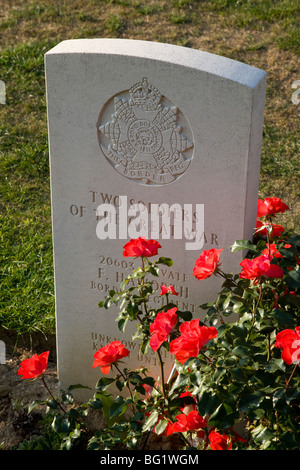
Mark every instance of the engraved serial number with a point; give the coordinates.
(108, 261)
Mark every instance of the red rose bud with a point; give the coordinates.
(167, 290)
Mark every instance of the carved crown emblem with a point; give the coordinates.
(144, 139)
(144, 95)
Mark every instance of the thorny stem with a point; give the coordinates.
(218, 271)
(209, 360)
(143, 282)
(269, 346)
(165, 395)
(127, 385)
(162, 373)
(49, 391)
(288, 382)
(259, 297)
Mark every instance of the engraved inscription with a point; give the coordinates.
(144, 136)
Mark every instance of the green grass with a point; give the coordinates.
(27, 292)
(261, 33)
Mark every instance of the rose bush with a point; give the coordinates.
(235, 380)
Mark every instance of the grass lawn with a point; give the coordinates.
(262, 33)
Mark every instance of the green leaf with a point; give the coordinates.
(262, 435)
(161, 426)
(148, 381)
(75, 387)
(207, 403)
(227, 301)
(34, 404)
(118, 407)
(151, 421)
(293, 279)
(275, 365)
(96, 403)
(107, 302)
(122, 322)
(294, 240)
(237, 307)
(145, 345)
(240, 352)
(243, 245)
(250, 401)
(107, 401)
(283, 318)
(67, 398)
(165, 261)
(223, 417)
(124, 282)
(154, 270)
(219, 373)
(180, 382)
(104, 383)
(138, 273)
(61, 425)
(186, 316)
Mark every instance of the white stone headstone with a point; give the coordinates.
(149, 123)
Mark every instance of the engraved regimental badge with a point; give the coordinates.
(144, 136)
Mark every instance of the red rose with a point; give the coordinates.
(219, 441)
(272, 250)
(190, 422)
(167, 290)
(207, 263)
(289, 342)
(192, 338)
(141, 247)
(262, 229)
(109, 354)
(162, 326)
(35, 366)
(261, 266)
(270, 206)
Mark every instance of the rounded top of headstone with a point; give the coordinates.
(205, 61)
